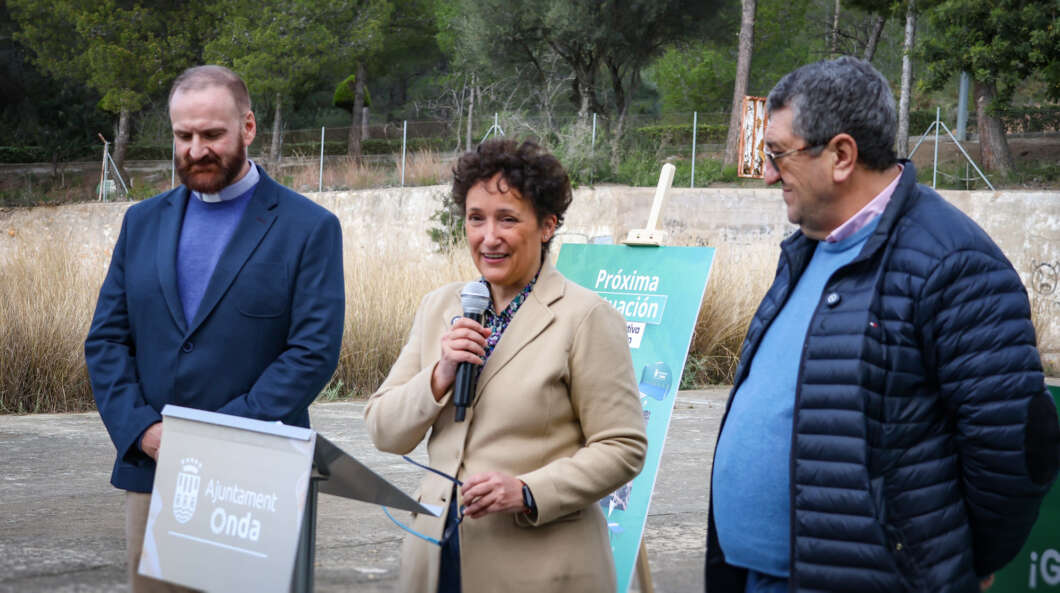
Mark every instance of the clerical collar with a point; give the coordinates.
(232, 191)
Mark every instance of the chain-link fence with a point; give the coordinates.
(395, 153)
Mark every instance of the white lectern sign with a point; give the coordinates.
(226, 510)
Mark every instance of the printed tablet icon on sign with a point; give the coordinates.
(655, 381)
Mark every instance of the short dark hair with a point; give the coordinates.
(200, 77)
(844, 95)
(525, 167)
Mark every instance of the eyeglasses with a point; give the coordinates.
(773, 158)
(449, 530)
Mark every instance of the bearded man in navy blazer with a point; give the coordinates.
(225, 294)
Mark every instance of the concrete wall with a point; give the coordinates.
(1025, 224)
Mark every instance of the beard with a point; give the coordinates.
(211, 173)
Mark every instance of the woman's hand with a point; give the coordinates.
(464, 342)
(492, 492)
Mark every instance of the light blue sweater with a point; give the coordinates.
(751, 479)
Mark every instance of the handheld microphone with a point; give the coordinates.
(474, 298)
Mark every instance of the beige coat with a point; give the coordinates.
(557, 406)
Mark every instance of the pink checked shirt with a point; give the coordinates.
(865, 215)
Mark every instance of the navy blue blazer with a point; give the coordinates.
(262, 345)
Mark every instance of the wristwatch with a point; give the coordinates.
(528, 503)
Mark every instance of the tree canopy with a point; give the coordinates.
(604, 45)
(1003, 42)
(281, 47)
(71, 64)
(124, 51)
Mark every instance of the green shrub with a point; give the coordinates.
(344, 97)
(1036, 173)
(386, 146)
(919, 120)
(638, 168)
(680, 134)
(1023, 119)
(141, 190)
(149, 152)
(449, 232)
(1017, 119)
(368, 146)
(642, 169)
(24, 154)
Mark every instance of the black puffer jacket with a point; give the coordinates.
(924, 438)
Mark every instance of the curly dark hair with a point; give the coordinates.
(525, 167)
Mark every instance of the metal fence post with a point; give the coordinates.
(935, 171)
(320, 184)
(592, 153)
(103, 176)
(695, 127)
(404, 140)
(117, 175)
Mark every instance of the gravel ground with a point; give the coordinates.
(63, 524)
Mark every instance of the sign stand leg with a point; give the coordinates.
(302, 578)
(650, 236)
(644, 570)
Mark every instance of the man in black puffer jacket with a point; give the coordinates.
(889, 427)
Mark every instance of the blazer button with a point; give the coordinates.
(187, 347)
(832, 299)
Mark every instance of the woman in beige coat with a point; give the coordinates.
(555, 423)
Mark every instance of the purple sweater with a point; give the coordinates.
(207, 228)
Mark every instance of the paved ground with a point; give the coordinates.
(61, 523)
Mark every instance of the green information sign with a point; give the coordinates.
(659, 291)
(1037, 567)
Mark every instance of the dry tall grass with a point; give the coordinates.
(48, 292)
(383, 291)
(739, 278)
(343, 173)
(47, 296)
(421, 168)
(427, 168)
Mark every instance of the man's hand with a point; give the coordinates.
(152, 440)
(986, 583)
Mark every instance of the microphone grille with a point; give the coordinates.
(475, 297)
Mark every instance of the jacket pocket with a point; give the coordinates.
(522, 521)
(261, 290)
(568, 517)
(907, 569)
